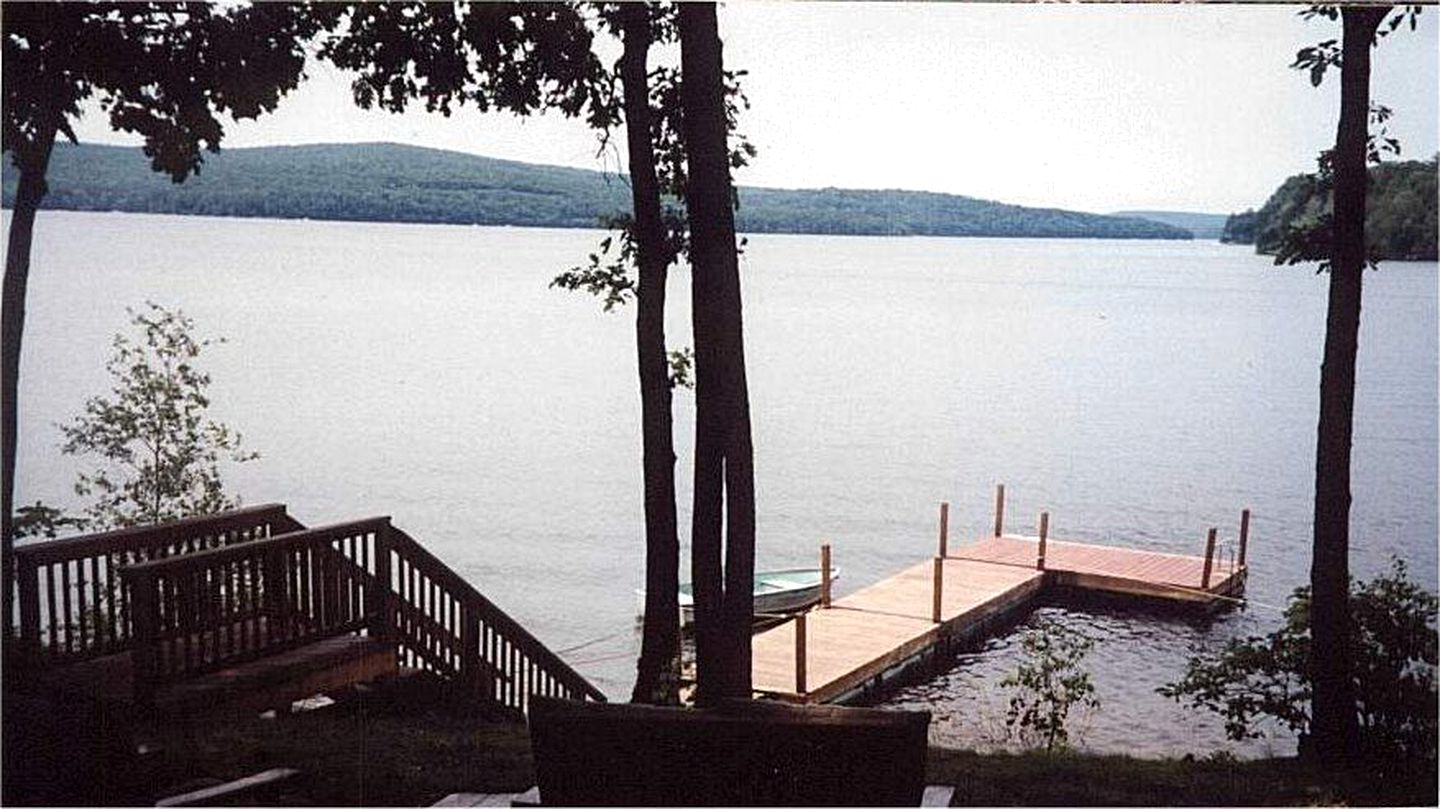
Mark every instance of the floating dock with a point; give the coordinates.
(848, 647)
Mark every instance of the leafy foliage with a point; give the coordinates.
(517, 57)
(1394, 642)
(1296, 224)
(159, 452)
(395, 183)
(1400, 216)
(1048, 684)
(41, 520)
(165, 71)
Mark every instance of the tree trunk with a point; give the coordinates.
(724, 475)
(1333, 722)
(657, 678)
(34, 162)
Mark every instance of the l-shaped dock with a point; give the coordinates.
(845, 648)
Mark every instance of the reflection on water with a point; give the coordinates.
(1135, 653)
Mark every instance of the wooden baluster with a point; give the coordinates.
(237, 568)
(69, 623)
(272, 592)
(1209, 554)
(938, 591)
(999, 509)
(944, 529)
(98, 601)
(1044, 534)
(825, 576)
(82, 632)
(800, 639)
(52, 616)
(1244, 534)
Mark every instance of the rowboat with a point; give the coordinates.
(775, 592)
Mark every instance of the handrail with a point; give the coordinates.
(278, 542)
(145, 536)
(408, 549)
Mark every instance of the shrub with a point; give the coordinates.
(1393, 639)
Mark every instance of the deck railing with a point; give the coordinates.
(195, 612)
(72, 601)
(445, 625)
(199, 594)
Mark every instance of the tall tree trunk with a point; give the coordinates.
(1333, 723)
(724, 477)
(34, 162)
(657, 678)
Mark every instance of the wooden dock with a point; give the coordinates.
(850, 646)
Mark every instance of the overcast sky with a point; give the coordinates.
(1090, 107)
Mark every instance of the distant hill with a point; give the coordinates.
(384, 182)
(1400, 212)
(1203, 225)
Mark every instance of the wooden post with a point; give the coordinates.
(1244, 534)
(999, 509)
(800, 653)
(939, 590)
(825, 576)
(1209, 553)
(1044, 534)
(144, 619)
(944, 529)
(27, 581)
(382, 609)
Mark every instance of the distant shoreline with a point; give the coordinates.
(44, 209)
(408, 184)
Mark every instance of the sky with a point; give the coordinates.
(1088, 107)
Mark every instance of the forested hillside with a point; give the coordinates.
(1400, 214)
(396, 183)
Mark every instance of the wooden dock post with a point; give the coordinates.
(800, 653)
(1209, 560)
(1244, 534)
(1044, 533)
(939, 590)
(944, 529)
(825, 576)
(999, 509)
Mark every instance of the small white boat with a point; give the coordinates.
(776, 592)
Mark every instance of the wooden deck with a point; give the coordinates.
(861, 638)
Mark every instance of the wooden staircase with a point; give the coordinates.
(250, 608)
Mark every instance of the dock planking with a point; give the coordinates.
(857, 640)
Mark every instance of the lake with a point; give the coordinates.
(1140, 391)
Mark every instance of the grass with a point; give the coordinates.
(1067, 779)
(411, 745)
(408, 744)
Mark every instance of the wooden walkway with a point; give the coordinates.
(858, 641)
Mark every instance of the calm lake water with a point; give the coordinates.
(1139, 391)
